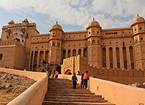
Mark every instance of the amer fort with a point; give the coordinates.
(114, 58)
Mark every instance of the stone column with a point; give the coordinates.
(44, 55)
(38, 59)
(33, 60)
(71, 53)
(114, 58)
(82, 52)
(77, 50)
(107, 58)
(128, 58)
(30, 60)
(121, 57)
(66, 54)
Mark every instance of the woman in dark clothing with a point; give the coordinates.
(82, 80)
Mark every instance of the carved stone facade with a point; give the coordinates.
(112, 48)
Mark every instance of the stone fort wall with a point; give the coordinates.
(12, 54)
(124, 76)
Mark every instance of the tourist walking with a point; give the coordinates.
(52, 72)
(85, 79)
(56, 74)
(74, 80)
(82, 80)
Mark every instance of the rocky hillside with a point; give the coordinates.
(12, 86)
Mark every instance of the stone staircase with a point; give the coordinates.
(60, 92)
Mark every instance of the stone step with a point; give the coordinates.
(76, 100)
(74, 103)
(61, 92)
(80, 95)
(73, 96)
(65, 93)
(68, 91)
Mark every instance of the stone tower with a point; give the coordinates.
(138, 26)
(94, 44)
(55, 55)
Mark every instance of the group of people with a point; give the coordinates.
(53, 73)
(84, 79)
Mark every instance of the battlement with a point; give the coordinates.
(125, 76)
(19, 25)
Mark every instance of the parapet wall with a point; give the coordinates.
(34, 95)
(12, 42)
(124, 76)
(116, 93)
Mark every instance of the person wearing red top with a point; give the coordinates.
(79, 73)
(85, 79)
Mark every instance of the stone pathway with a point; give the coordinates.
(60, 92)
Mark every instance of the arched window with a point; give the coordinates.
(98, 42)
(74, 52)
(58, 44)
(111, 57)
(141, 38)
(131, 56)
(124, 57)
(104, 56)
(64, 54)
(79, 52)
(93, 42)
(53, 44)
(1, 56)
(69, 53)
(41, 55)
(85, 52)
(47, 56)
(35, 60)
(117, 57)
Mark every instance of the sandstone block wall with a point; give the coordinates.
(13, 55)
(124, 76)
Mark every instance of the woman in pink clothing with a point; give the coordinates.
(85, 79)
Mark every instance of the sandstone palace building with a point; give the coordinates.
(22, 47)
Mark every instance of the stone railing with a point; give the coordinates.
(116, 93)
(34, 95)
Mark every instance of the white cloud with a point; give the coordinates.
(109, 13)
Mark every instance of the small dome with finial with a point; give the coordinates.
(56, 27)
(11, 22)
(138, 19)
(93, 24)
(25, 21)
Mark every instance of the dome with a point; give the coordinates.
(138, 19)
(93, 24)
(56, 27)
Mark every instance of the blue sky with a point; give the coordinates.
(72, 15)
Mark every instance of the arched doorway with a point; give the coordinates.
(68, 71)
